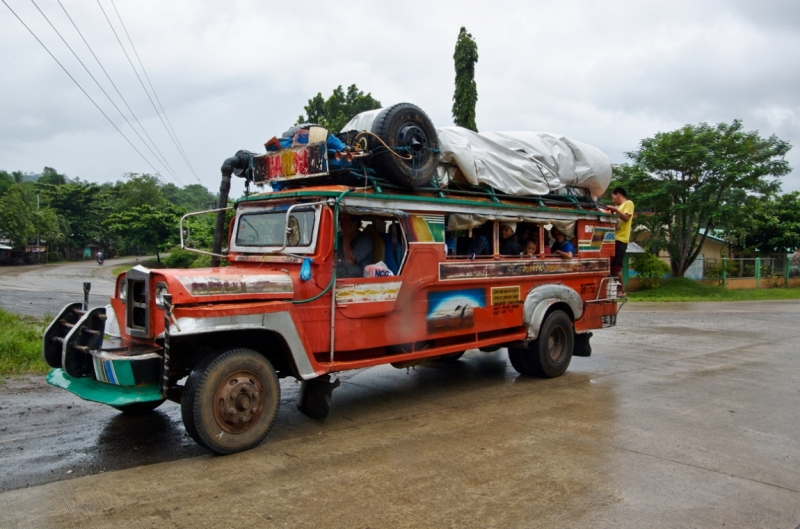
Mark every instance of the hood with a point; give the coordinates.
(224, 284)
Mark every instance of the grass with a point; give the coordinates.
(682, 289)
(20, 345)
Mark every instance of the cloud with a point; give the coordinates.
(231, 75)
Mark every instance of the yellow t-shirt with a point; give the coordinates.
(623, 233)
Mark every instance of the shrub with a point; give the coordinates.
(650, 269)
(204, 261)
(179, 258)
(714, 272)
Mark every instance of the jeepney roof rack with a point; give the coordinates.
(367, 177)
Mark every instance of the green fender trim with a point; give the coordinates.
(92, 390)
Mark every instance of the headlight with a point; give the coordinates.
(161, 290)
(123, 290)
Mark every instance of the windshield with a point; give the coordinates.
(270, 229)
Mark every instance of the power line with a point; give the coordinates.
(179, 145)
(135, 117)
(81, 89)
(139, 78)
(169, 168)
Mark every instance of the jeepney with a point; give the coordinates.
(217, 340)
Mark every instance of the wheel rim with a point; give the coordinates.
(239, 402)
(412, 137)
(557, 345)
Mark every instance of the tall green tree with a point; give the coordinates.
(465, 97)
(699, 178)
(340, 107)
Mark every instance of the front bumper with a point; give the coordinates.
(90, 389)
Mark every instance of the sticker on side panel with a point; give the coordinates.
(453, 309)
(505, 299)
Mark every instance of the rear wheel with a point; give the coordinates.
(413, 145)
(230, 401)
(551, 353)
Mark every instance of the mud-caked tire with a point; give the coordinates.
(231, 401)
(550, 354)
(408, 132)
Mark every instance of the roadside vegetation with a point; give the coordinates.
(682, 289)
(20, 345)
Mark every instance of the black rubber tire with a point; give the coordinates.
(139, 408)
(405, 126)
(550, 354)
(200, 395)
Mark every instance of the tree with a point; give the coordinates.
(147, 227)
(334, 113)
(51, 176)
(193, 197)
(22, 222)
(6, 181)
(465, 97)
(699, 178)
(773, 225)
(17, 223)
(138, 190)
(81, 208)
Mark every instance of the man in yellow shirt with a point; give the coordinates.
(624, 210)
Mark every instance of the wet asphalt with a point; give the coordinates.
(686, 415)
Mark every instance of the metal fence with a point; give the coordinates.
(767, 268)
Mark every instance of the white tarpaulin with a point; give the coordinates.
(525, 163)
(517, 163)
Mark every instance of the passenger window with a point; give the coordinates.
(532, 239)
(377, 246)
(471, 244)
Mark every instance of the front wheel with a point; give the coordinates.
(230, 401)
(550, 354)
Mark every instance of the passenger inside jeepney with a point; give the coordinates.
(509, 244)
(354, 247)
(562, 247)
(528, 235)
(481, 243)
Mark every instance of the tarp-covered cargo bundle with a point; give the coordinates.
(517, 163)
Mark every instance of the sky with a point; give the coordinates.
(230, 75)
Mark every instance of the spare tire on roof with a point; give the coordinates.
(413, 145)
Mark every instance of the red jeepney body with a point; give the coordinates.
(437, 304)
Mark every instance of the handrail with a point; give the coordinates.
(194, 214)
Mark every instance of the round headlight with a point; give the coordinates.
(123, 289)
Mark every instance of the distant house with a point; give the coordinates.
(714, 247)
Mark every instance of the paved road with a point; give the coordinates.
(38, 290)
(685, 416)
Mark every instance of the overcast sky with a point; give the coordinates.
(233, 74)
